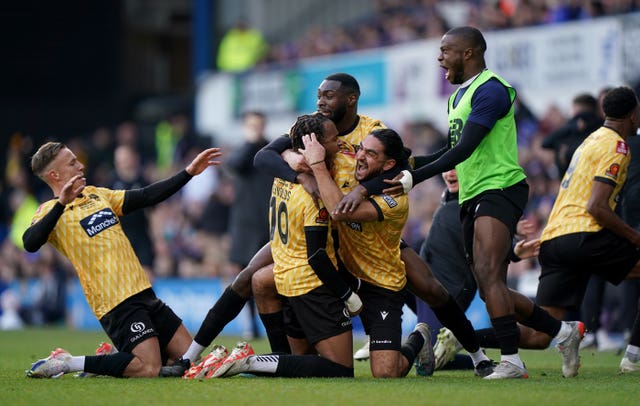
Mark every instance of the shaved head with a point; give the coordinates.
(471, 37)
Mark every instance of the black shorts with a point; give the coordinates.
(316, 315)
(138, 318)
(505, 205)
(381, 316)
(569, 261)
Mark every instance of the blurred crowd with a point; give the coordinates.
(396, 21)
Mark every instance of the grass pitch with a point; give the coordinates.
(598, 382)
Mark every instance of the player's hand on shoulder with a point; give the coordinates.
(401, 184)
(295, 161)
(350, 202)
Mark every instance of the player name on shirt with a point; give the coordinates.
(281, 189)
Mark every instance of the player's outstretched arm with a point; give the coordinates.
(158, 191)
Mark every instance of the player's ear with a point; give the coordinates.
(468, 53)
(352, 99)
(52, 174)
(388, 164)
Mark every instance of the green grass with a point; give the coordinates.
(598, 382)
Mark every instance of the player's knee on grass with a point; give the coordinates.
(388, 364)
(138, 368)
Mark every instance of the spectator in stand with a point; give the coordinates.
(249, 222)
(241, 48)
(129, 133)
(173, 139)
(585, 119)
(128, 175)
(49, 301)
(393, 22)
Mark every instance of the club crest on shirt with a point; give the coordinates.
(91, 200)
(391, 202)
(347, 148)
(99, 221)
(613, 170)
(323, 216)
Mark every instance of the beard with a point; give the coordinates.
(458, 75)
(339, 114)
(369, 175)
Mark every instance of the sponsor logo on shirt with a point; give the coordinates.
(391, 202)
(98, 222)
(137, 326)
(355, 226)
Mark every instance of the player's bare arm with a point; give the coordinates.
(331, 195)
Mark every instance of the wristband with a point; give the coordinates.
(317, 162)
(406, 181)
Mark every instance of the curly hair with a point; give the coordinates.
(307, 124)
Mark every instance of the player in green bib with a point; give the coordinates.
(493, 192)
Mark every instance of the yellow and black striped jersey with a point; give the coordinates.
(89, 234)
(350, 142)
(603, 156)
(291, 209)
(344, 165)
(371, 250)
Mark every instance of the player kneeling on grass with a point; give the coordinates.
(302, 246)
(370, 248)
(82, 222)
